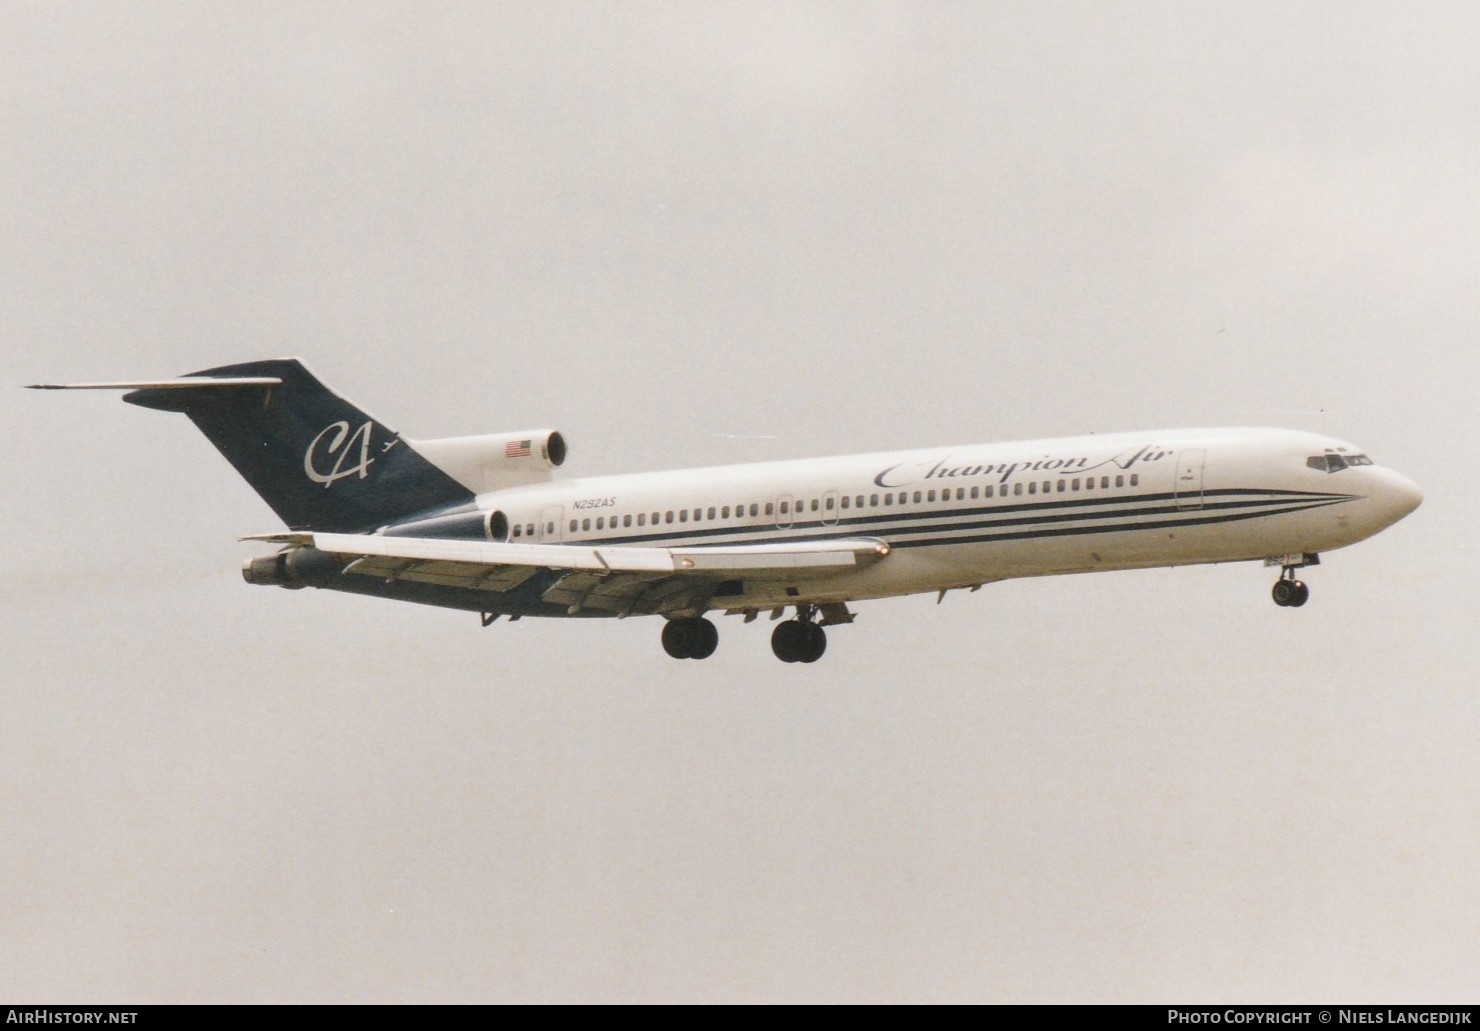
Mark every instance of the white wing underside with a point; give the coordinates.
(623, 580)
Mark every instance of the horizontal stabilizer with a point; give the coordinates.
(181, 383)
(319, 461)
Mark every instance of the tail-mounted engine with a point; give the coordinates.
(293, 568)
(493, 461)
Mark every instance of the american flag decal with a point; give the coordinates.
(517, 449)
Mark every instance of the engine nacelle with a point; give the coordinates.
(293, 568)
(491, 525)
(492, 461)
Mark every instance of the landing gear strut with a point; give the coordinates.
(799, 639)
(691, 638)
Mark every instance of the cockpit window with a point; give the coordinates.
(1334, 462)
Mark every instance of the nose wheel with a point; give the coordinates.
(1289, 592)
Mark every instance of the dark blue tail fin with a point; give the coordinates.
(320, 462)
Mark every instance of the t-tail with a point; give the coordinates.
(323, 464)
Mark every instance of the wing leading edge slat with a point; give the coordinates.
(718, 561)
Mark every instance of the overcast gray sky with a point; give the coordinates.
(665, 229)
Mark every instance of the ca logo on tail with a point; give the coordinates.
(339, 447)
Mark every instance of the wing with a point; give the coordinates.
(621, 580)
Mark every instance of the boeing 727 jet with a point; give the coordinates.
(481, 523)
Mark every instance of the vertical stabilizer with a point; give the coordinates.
(316, 459)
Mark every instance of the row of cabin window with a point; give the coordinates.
(976, 493)
(847, 501)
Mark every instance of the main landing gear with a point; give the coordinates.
(1289, 592)
(691, 638)
(799, 639)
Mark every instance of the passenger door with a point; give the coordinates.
(784, 515)
(830, 508)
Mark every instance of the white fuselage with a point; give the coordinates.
(478, 523)
(961, 516)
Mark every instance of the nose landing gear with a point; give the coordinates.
(1289, 592)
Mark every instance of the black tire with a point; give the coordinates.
(816, 642)
(1283, 592)
(680, 639)
(1301, 595)
(708, 638)
(789, 641)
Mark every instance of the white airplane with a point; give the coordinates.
(479, 523)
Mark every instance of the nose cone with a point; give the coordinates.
(1398, 496)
